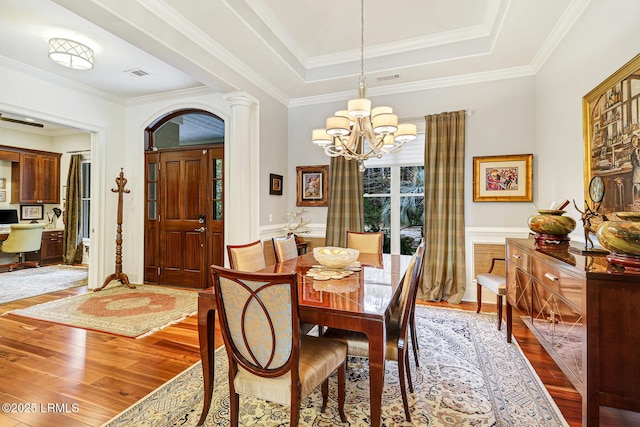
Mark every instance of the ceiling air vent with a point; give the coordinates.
(389, 77)
(137, 72)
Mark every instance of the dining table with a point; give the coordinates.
(360, 302)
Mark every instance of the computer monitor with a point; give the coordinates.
(8, 216)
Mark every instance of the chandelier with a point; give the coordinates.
(362, 132)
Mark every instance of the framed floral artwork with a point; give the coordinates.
(312, 185)
(503, 178)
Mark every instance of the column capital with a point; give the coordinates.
(241, 99)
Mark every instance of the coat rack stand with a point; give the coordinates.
(121, 181)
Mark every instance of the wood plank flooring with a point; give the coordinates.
(56, 375)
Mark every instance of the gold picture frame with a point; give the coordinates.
(503, 178)
(312, 185)
(611, 131)
(3, 183)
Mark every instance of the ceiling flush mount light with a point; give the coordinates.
(362, 132)
(71, 54)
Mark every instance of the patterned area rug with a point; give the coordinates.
(119, 310)
(469, 376)
(29, 282)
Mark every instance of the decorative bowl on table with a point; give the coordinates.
(622, 238)
(335, 257)
(551, 229)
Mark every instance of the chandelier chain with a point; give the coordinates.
(362, 132)
(362, 78)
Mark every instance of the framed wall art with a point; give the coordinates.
(503, 178)
(32, 212)
(312, 185)
(3, 195)
(275, 184)
(3, 183)
(611, 129)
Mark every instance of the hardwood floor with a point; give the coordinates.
(76, 378)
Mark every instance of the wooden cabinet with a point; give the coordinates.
(51, 250)
(585, 315)
(35, 178)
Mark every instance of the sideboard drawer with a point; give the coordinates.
(559, 280)
(519, 257)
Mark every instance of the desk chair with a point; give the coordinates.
(496, 283)
(366, 243)
(268, 356)
(23, 238)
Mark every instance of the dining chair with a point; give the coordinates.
(397, 330)
(496, 283)
(249, 257)
(268, 356)
(412, 317)
(285, 248)
(366, 243)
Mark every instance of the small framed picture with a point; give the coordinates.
(503, 178)
(32, 212)
(3, 183)
(3, 196)
(313, 185)
(275, 184)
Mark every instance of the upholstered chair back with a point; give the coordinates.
(256, 314)
(249, 257)
(23, 238)
(285, 248)
(366, 243)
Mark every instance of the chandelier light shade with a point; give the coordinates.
(71, 54)
(361, 132)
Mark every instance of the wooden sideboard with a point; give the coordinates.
(587, 316)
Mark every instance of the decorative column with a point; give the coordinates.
(241, 171)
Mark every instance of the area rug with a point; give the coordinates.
(119, 310)
(29, 282)
(468, 376)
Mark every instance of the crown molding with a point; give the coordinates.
(562, 27)
(488, 76)
(58, 80)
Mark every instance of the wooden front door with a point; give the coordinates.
(183, 233)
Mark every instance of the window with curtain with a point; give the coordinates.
(394, 204)
(394, 198)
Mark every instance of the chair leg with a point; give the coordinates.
(403, 386)
(325, 394)
(234, 406)
(499, 311)
(295, 411)
(479, 296)
(341, 390)
(414, 338)
(408, 371)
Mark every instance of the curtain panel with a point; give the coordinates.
(346, 205)
(72, 236)
(444, 275)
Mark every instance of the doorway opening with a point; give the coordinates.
(184, 223)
